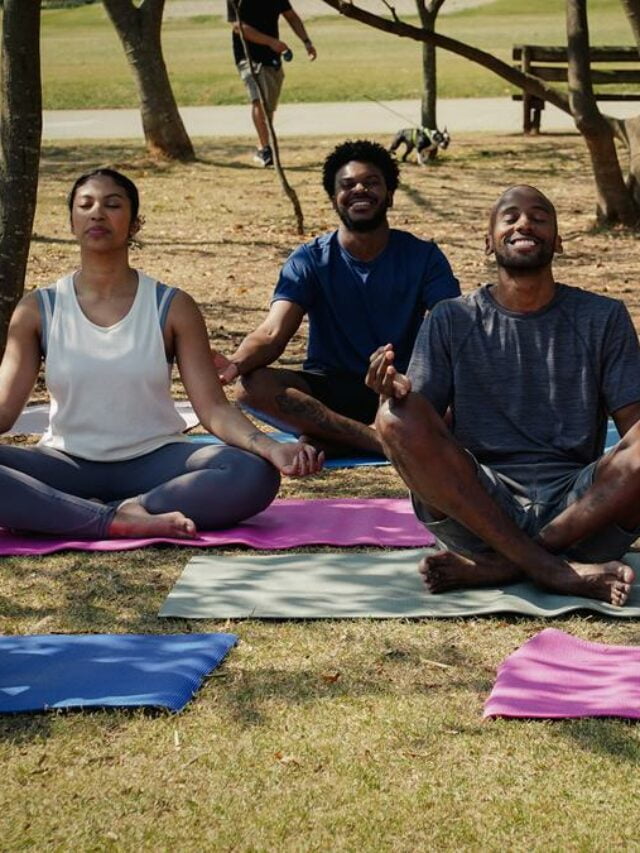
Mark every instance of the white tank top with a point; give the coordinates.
(109, 386)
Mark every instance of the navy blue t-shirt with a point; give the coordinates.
(355, 307)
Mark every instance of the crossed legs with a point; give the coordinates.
(444, 479)
(286, 399)
(170, 492)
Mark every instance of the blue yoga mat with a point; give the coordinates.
(47, 671)
(354, 461)
(362, 459)
(613, 436)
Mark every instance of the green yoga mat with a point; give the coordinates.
(377, 585)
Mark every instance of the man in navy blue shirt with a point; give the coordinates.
(260, 29)
(362, 286)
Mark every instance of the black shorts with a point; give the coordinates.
(343, 393)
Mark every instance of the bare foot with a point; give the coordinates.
(132, 519)
(610, 582)
(447, 570)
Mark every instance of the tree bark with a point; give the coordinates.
(428, 110)
(614, 201)
(20, 135)
(288, 190)
(139, 29)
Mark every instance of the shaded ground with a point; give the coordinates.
(221, 228)
(336, 735)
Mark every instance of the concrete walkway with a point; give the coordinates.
(491, 115)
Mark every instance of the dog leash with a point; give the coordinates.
(390, 110)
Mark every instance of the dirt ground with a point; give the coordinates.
(221, 228)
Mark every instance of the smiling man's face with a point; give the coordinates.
(361, 196)
(523, 231)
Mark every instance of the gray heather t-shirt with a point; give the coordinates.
(530, 393)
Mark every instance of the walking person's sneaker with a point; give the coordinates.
(264, 156)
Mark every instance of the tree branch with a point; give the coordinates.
(435, 6)
(517, 78)
(273, 139)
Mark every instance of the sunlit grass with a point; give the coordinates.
(346, 735)
(84, 64)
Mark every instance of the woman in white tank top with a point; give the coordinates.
(113, 461)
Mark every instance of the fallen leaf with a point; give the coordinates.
(286, 759)
(330, 677)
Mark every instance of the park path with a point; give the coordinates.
(459, 115)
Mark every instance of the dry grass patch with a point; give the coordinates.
(341, 735)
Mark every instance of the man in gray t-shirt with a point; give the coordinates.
(526, 372)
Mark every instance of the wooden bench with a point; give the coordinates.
(550, 64)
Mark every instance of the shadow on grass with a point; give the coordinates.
(397, 671)
(414, 194)
(75, 158)
(21, 729)
(604, 736)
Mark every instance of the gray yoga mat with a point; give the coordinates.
(378, 585)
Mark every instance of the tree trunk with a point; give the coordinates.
(512, 75)
(20, 133)
(429, 75)
(139, 29)
(615, 204)
(428, 13)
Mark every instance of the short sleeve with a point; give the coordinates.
(621, 361)
(430, 369)
(297, 281)
(439, 281)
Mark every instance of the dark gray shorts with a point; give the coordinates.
(343, 393)
(270, 79)
(531, 512)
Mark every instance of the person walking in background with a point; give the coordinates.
(260, 28)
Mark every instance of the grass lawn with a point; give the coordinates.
(84, 64)
(344, 735)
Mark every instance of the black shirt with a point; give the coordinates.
(263, 16)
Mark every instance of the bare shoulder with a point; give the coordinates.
(27, 312)
(183, 309)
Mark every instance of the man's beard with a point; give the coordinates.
(362, 226)
(535, 261)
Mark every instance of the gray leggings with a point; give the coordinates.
(48, 491)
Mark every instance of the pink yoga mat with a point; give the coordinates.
(285, 524)
(555, 675)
